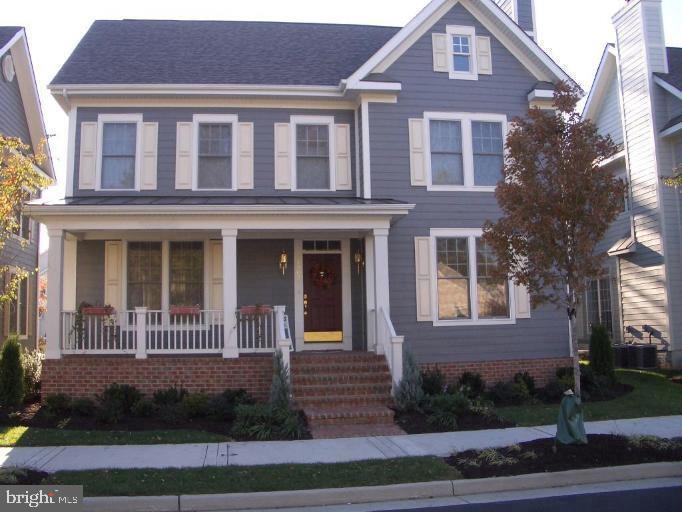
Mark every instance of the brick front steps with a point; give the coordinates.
(344, 394)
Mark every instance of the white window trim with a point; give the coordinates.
(13, 272)
(623, 176)
(214, 118)
(459, 30)
(325, 120)
(467, 147)
(119, 118)
(471, 235)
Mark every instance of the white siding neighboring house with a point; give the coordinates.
(636, 99)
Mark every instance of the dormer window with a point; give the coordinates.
(461, 51)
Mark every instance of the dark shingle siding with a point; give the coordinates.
(220, 52)
(7, 33)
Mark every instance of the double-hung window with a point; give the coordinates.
(186, 275)
(313, 147)
(465, 151)
(18, 310)
(23, 227)
(466, 287)
(599, 311)
(215, 141)
(462, 62)
(461, 53)
(119, 151)
(144, 265)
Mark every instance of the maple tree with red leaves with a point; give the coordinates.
(557, 204)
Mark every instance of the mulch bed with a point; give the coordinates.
(416, 423)
(28, 477)
(601, 451)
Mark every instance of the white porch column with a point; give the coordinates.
(381, 278)
(369, 290)
(230, 348)
(69, 273)
(54, 294)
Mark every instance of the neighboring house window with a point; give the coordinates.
(466, 288)
(186, 274)
(119, 151)
(599, 310)
(18, 310)
(447, 167)
(626, 195)
(23, 229)
(313, 147)
(215, 141)
(144, 275)
(462, 63)
(466, 151)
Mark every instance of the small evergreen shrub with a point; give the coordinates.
(169, 396)
(58, 404)
(143, 408)
(195, 405)
(510, 393)
(601, 353)
(410, 393)
(223, 406)
(443, 410)
(527, 380)
(122, 396)
(553, 391)
(471, 384)
(170, 414)
(32, 362)
(280, 389)
(11, 374)
(433, 381)
(263, 422)
(83, 407)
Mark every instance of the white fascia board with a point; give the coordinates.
(618, 156)
(672, 130)
(668, 87)
(600, 83)
(540, 94)
(10, 43)
(375, 86)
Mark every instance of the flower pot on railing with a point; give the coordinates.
(255, 310)
(185, 310)
(98, 310)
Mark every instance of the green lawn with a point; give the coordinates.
(28, 436)
(157, 482)
(654, 395)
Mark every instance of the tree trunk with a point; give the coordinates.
(574, 351)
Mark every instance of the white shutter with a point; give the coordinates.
(150, 139)
(88, 156)
(282, 156)
(440, 53)
(113, 273)
(417, 153)
(245, 162)
(484, 55)
(422, 267)
(522, 299)
(216, 274)
(183, 156)
(342, 142)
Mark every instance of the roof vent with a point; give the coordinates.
(8, 68)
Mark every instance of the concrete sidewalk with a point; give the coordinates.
(70, 458)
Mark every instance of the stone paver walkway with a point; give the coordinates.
(309, 451)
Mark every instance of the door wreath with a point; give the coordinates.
(322, 276)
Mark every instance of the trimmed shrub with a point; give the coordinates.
(443, 410)
(170, 414)
(58, 404)
(263, 422)
(195, 405)
(83, 407)
(601, 353)
(222, 407)
(11, 374)
(143, 408)
(122, 396)
(32, 362)
(471, 384)
(553, 391)
(433, 381)
(527, 380)
(169, 396)
(280, 389)
(410, 393)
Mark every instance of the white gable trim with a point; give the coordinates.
(11, 42)
(421, 23)
(600, 85)
(668, 87)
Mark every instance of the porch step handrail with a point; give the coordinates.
(390, 344)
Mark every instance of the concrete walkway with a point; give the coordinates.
(67, 458)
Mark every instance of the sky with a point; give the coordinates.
(573, 32)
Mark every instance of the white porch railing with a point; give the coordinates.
(99, 334)
(391, 345)
(186, 333)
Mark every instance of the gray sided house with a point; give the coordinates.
(20, 116)
(318, 189)
(636, 98)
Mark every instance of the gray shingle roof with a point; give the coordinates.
(220, 52)
(674, 75)
(7, 33)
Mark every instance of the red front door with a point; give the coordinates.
(322, 306)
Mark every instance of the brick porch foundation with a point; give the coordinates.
(86, 376)
(542, 370)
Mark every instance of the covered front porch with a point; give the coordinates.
(184, 284)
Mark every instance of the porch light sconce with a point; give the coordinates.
(359, 260)
(283, 261)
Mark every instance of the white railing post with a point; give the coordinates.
(283, 342)
(397, 357)
(230, 345)
(140, 333)
(55, 294)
